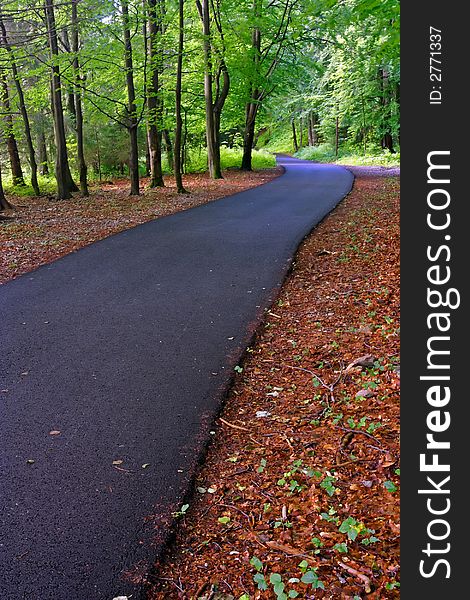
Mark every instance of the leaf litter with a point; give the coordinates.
(310, 507)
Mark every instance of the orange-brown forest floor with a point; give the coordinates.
(41, 230)
(299, 493)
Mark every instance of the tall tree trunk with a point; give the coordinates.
(255, 95)
(12, 147)
(301, 132)
(21, 101)
(249, 135)
(179, 121)
(146, 52)
(65, 183)
(213, 153)
(98, 155)
(4, 204)
(294, 137)
(222, 93)
(387, 139)
(154, 103)
(337, 137)
(311, 130)
(131, 107)
(82, 167)
(168, 148)
(43, 160)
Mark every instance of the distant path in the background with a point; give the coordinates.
(374, 171)
(113, 364)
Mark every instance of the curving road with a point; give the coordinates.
(126, 348)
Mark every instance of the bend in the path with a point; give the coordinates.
(126, 348)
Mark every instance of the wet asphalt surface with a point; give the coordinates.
(124, 351)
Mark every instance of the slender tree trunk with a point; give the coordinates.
(22, 105)
(168, 148)
(255, 95)
(82, 167)
(65, 183)
(154, 103)
(43, 160)
(12, 147)
(148, 165)
(213, 153)
(301, 132)
(337, 137)
(184, 145)
(311, 130)
(98, 156)
(4, 204)
(294, 137)
(387, 139)
(131, 108)
(249, 136)
(146, 52)
(179, 121)
(222, 94)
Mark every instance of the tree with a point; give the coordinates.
(65, 183)
(22, 105)
(77, 101)
(15, 163)
(131, 107)
(154, 103)
(4, 204)
(276, 18)
(213, 157)
(179, 122)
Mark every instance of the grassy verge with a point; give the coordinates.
(231, 158)
(325, 153)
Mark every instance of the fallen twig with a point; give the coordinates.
(232, 425)
(290, 551)
(357, 574)
(360, 432)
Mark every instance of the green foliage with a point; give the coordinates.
(230, 158)
(47, 185)
(354, 528)
(325, 153)
(308, 576)
(328, 485)
(390, 486)
(328, 61)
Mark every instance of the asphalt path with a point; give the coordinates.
(114, 361)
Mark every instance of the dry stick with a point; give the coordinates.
(360, 432)
(201, 589)
(239, 472)
(290, 551)
(357, 574)
(352, 462)
(234, 508)
(232, 425)
(330, 387)
(288, 442)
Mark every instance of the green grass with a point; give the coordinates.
(326, 153)
(230, 158)
(47, 185)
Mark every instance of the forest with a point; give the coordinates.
(93, 89)
(200, 366)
